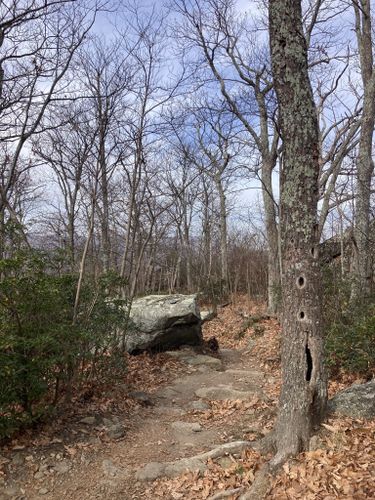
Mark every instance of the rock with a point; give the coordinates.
(110, 469)
(39, 475)
(202, 359)
(88, 420)
(94, 441)
(11, 492)
(174, 469)
(43, 491)
(169, 410)
(208, 316)
(18, 459)
(142, 397)
(153, 470)
(357, 401)
(167, 392)
(187, 426)
(253, 374)
(221, 393)
(162, 322)
(150, 472)
(200, 405)
(62, 467)
(181, 353)
(193, 359)
(116, 431)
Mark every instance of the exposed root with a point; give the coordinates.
(154, 470)
(266, 445)
(281, 457)
(226, 493)
(261, 485)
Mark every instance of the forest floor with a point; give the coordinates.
(115, 441)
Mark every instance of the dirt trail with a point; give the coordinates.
(212, 401)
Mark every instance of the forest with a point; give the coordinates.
(216, 155)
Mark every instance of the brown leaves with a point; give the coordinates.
(344, 466)
(191, 486)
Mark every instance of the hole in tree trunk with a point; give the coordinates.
(309, 363)
(301, 281)
(301, 315)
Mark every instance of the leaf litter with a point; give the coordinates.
(340, 465)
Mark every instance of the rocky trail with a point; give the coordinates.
(180, 426)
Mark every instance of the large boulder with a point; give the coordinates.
(161, 322)
(357, 401)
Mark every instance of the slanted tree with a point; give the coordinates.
(303, 395)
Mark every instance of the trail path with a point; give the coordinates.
(212, 401)
(178, 426)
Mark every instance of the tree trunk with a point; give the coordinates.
(365, 166)
(106, 246)
(274, 284)
(187, 251)
(304, 393)
(206, 230)
(223, 236)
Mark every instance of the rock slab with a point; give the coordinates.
(161, 322)
(222, 393)
(357, 401)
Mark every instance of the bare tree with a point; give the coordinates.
(38, 40)
(106, 79)
(365, 164)
(304, 393)
(68, 151)
(223, 38)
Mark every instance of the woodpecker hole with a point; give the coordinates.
(309, 363)
(301, 315)
(301, 282)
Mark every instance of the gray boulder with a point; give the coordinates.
(357, 401)
(208, 316)
(161, 322)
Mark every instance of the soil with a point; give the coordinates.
(173, 406)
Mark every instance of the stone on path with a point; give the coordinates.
(187, 426)
(154, 470)
(357, 401)
(199, 405)
(88, 420)
(222, 393)
(253, 374)
(116, 431)
(112, 470)
(163, 321)
(142, 398)
(197, 359)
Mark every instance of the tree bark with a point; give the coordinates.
(365, 166)
(274, 283)
(223, 235)
(304, 393)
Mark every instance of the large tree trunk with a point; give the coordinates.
(303, 395)
(365, 165)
